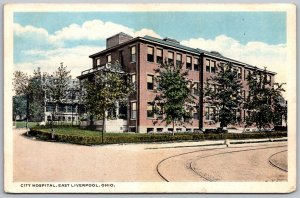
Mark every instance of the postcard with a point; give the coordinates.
(150, 98)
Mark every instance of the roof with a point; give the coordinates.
(178, 46)
(199, 51)
(172, 44)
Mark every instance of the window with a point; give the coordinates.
(150, 113)
(207, 66)
(171, 57)
(150, 130)
(245, 74)
(133, 110)
(150, 82)
(213, 67)
(196, 115)
(269, 78)
(240, 72)
(189, 62)
(69, 108)
(49, 108)
(244, 94)
(132, 129)
(159, 130)
(210, 66)
(150, 54)
(98, 61)
(196, 88)
(178, 59)
(209, 113)
(108, 58)
(238, 115)
(159, 56)
(196, 64)
(133, 54)
(62, 108)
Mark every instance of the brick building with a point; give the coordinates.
(141, 55)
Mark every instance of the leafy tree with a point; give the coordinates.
(36, 96)
(174, 97)
(57, 86)
(280, 110)
(105, 91)
(31, 88)
(262, 102)
(20, 84)
(19, 106)
(223, 91)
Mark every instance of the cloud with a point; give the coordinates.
(89, 30)
(36, 47)
(93, 30)
(76, 59)
(254, 53)
(144, 32)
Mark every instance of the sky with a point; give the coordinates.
(46, 39)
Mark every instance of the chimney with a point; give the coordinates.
(117, 39)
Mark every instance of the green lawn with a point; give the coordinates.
(22, 124)
(84, 132)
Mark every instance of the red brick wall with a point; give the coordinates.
(145, 68)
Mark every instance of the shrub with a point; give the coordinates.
(96, 138)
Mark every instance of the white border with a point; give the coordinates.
(134, 187)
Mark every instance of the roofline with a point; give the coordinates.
(238, 62)
(170, 46)
(116, 46)
(144, 39)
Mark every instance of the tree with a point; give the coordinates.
(57, 86)
(19, 106)
(263, 100)
(31, 88)
(105, 91)
(36, 96)
(20, 84)
(280, 110)
(223, 91)
(174, 97)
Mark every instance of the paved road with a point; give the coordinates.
(47, 161)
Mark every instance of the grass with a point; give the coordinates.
(22, 124)
(75, 131)
(75, 135)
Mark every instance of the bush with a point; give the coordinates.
(280, 128)
(95, 138)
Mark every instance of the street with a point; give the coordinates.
(38, 161)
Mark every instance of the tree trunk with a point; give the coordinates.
(91, 122)
(27, 112)
(173, 133)
(53, 116)
(103, 126)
